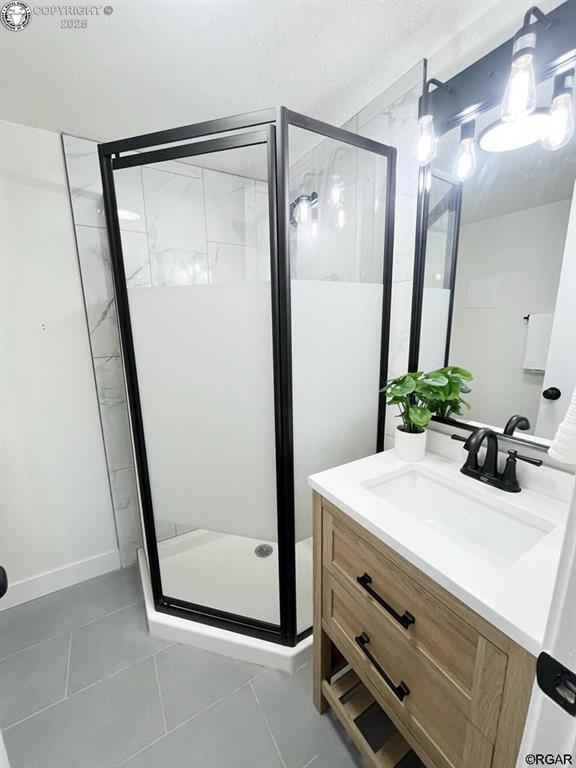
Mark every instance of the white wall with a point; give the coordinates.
(55, 498)
(521, 255)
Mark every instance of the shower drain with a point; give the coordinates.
(263, 550)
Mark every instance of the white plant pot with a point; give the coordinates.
(409, 446)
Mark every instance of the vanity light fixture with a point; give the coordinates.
(426, 139)
(560, 127)
(520, 94)
(466, 157)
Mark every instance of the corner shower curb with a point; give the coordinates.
(225, 642)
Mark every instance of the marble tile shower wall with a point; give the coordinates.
(180, 225)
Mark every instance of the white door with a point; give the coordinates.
(561, 363)
(551, 729)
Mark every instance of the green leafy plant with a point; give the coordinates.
(412, 394)
(446, 400)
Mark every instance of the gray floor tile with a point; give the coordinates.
(340, 754)
(231, 734)
(191, 679)
(33, 679)
(53, 614)
(300, 731)
(107, 645)
(99, 726)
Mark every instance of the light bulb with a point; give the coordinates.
(465, 160)
(426, 141)
(302, 212)
(520, 94)
(560, 128)
(336, 192)
(341, 220)
(314, 230)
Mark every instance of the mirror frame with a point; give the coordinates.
(468, 94)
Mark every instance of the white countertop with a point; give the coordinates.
(515, 598)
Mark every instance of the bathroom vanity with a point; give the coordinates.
(431, 598)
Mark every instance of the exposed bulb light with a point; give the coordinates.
(302, 211)
(466, 157)
(520, 94)
(336, 192)
(341, 218)
(503, 137)
(426, 141)
(561, 116)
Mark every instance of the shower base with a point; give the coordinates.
(223, 571)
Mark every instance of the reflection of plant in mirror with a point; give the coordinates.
(447, 400)
(412, 393)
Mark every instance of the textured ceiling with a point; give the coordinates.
(154, 65)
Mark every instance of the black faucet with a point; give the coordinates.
(488, 473)
(516, 422)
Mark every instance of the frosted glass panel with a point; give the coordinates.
(202, 333)
(337, 229)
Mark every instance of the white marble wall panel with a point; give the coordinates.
(98, 290)
(86, 188)
(113, 411)
(126, 512)
(232, 263)
(230, 208)
(176, 228)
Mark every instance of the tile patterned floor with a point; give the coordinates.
(83, 685)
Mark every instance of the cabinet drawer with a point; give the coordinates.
(472, 664)
(405, 683)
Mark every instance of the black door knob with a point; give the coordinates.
(552, 393)
(3, 581)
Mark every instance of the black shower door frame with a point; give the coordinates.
(271, 128)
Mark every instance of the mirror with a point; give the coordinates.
(499, 278)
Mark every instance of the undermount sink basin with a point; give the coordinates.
(493, 529)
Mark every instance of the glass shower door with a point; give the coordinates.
(199, 302)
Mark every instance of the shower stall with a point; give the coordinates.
(253, 352)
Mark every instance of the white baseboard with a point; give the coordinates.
(51, 581)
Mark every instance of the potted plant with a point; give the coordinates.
(411, 393)
(446, 400)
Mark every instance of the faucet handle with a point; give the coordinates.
(527, 459)
(460, 439)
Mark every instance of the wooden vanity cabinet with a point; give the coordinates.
(455, 687)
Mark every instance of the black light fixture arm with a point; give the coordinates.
(426, 91)
(539, 15)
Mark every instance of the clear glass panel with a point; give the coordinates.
(198, 277)
(438, 272)
(338, 204)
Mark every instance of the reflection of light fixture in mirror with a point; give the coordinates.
(426, 138)
(127, 215)
(314, 229)
(520, 95)
(302, 211)
(503, 137)
(466, 157)
(426, 141)
(301, 208)
(561, 116)
(336, 192)
(341, 218)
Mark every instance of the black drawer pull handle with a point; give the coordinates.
(401, 690)
(405, 620)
